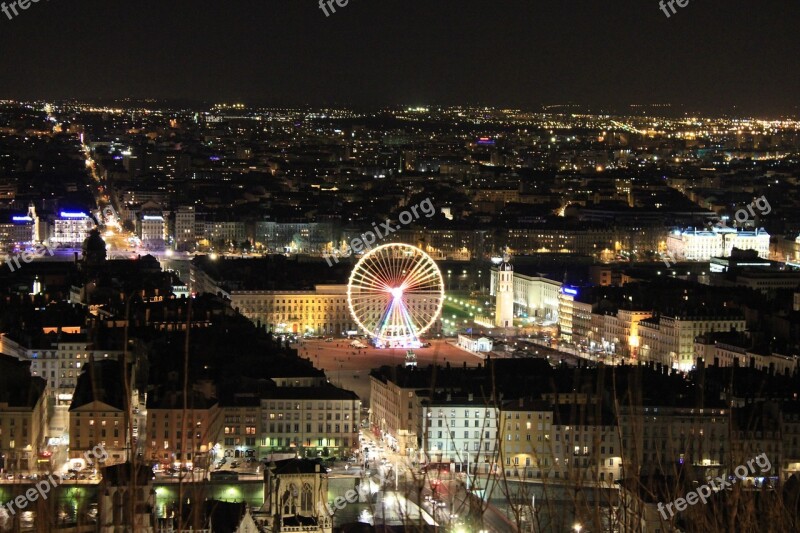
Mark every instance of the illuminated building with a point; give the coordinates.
(180, 434)
(23, 412)
(534, 296)
(322, 311)
(702, 245)
(152, 231)
(295, 237)
(241, 428)
(59, 361)
(70, 229)
(669, 340)
(504, 295)
(185, 235)
(18, 229)
(460, 430)
(313, 421)
(97, 414)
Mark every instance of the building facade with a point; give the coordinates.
(310, 421)
(669, 340)
(461, 431)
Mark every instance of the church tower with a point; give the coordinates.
(504, 297)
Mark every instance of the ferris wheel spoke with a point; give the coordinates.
(425, 289)
(401, 267)
(370, 277)
(412, 272)
(420, 274)
(426, 284)
(384, 263)
(369, 293)
(406, 265)
(368, 280)
(410, 266)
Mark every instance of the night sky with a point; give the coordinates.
(711, 56)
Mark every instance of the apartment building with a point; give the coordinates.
(585, 445)
(222, 231)
(182, 433)
(728, 352)
(152, 230)
(97, 414)
(241, 426)
(461, 430)
(63, 365)
(619, 332)
(790, 430)
(297, 237)
(526, 430)
(657, 438)
(23, 415)
(185, 236)
(396, 407)
(310, 421)
(669, 340)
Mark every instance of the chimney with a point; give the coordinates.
(470, 396)
(449, 397)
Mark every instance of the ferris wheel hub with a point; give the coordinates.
(397, 292)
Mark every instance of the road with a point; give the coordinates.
(441, 495)
(117, 239)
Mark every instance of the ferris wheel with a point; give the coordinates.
(395, 294)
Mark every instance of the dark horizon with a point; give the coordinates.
(523, 55)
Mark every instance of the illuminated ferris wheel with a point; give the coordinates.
(395, 294)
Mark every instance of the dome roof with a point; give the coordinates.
(505, 266)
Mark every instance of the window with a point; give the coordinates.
(306, 498)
